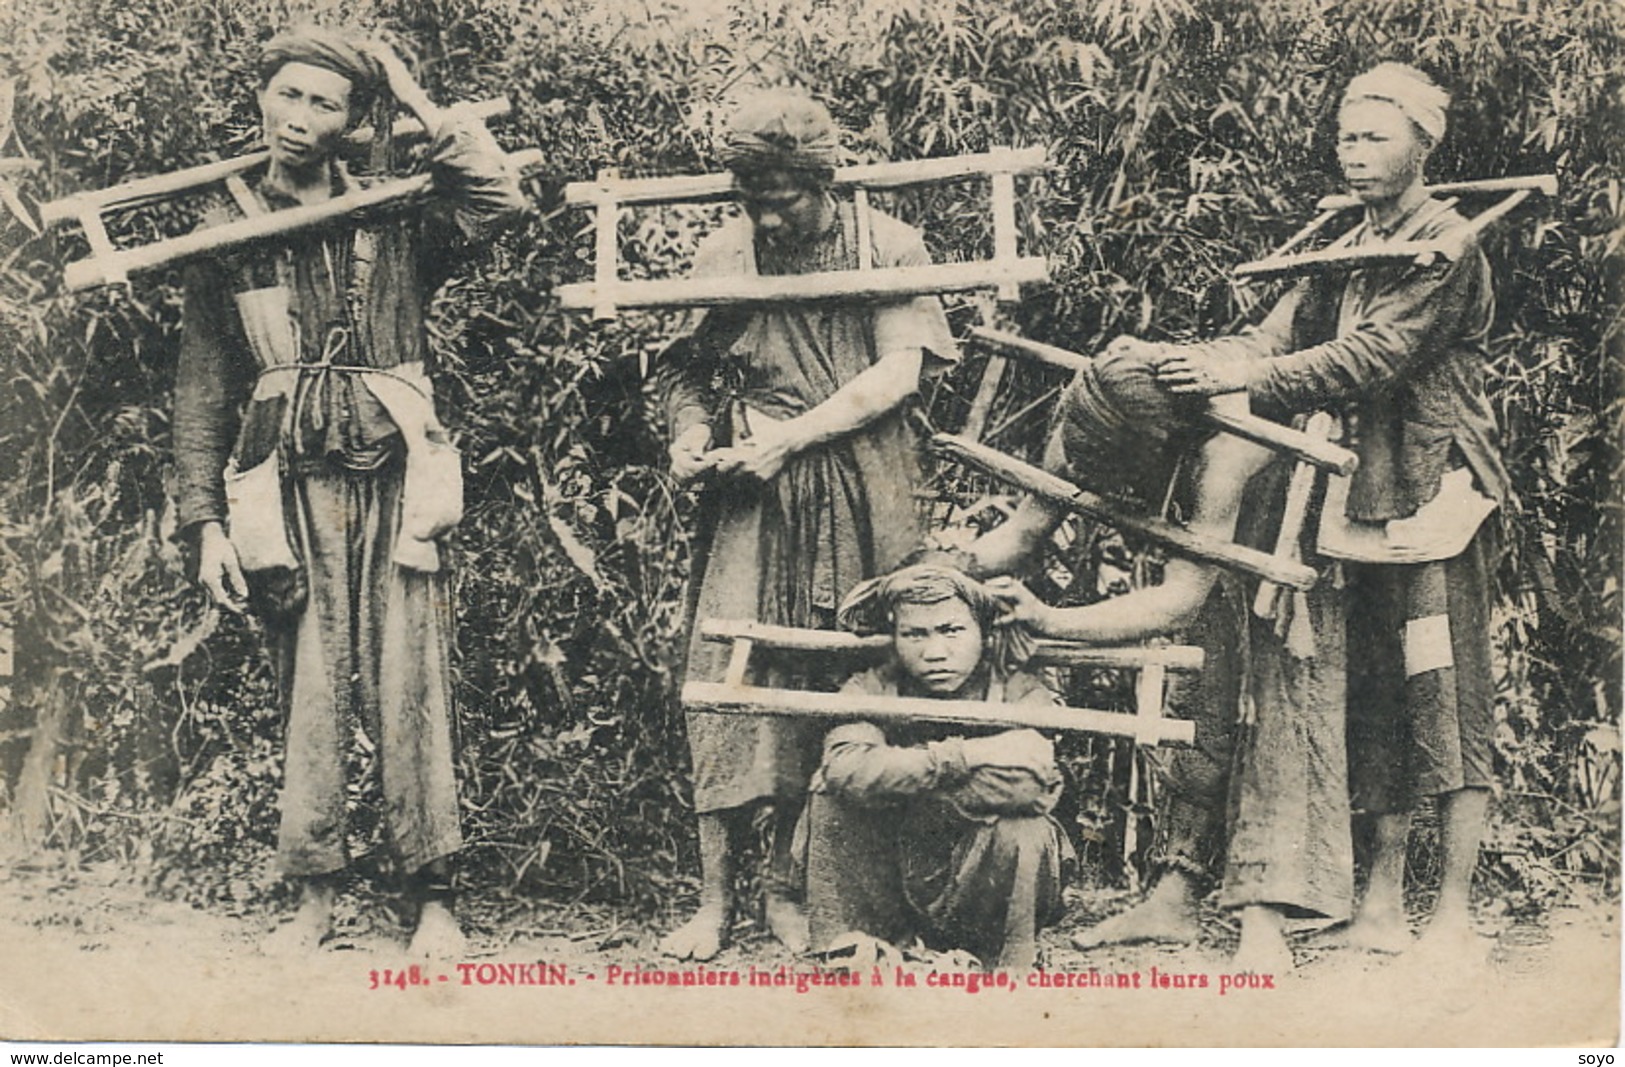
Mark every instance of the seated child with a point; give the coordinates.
(934, 830)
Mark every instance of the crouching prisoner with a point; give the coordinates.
(926, 830)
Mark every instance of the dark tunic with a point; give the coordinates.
(361, 643)
(785, 552)
(1401, 352)
(901, 838)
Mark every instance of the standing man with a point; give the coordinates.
(303, 365)
(1401, 350)
(795, 412)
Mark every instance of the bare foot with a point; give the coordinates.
(438, 937)
(309, 927)
(788, 922)
(1017, 955)
(701, 938)
(1263, 953)
(1450, 943)
(1153, 919)
(1378, 933)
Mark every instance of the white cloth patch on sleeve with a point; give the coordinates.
(1427, 645)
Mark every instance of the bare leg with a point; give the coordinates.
(706, 934)
(1263, 948)
(1463, 816)
(310, 925)
(1168, 913)
(1379, 925)
(437, 935)
(785, 917)
(1020, 948)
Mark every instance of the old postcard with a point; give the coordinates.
(831, 522)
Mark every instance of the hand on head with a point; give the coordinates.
(1017, 604)
(1183, 374)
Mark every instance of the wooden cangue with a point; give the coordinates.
(1006, 271)
(1148, 725)
(109, 264)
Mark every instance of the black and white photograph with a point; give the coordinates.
(811, 522)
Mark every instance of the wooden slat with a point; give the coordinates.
(1012, 344)
(982, 404)
(876, 284)
(1316, 451)
(699, 188)
(606, 251)
(738, 661)
(106, 270)
(1544, 184)
(866, 241)
(242, 196)
(161, 186)
(1299, 488)
(1004, 230)
(754, 700)
(1046, 653)
(1059, 491)
(1150, 698)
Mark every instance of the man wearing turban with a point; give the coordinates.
(795, 415)
(1400, 353)
(313, 477)
(919, 829)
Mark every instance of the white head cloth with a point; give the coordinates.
(1406, 88)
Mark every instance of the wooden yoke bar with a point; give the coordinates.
(140, 191)
(1063, 493)
(1544, 184)
(1447, 246)
(1318, 451)
(699, 188)
(1048, 653)
(116, 266)
(753, 700)
(796, 288)
(1007, 271)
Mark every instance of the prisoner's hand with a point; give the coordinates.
(1017, 604)
(764, 453)
(1183, 375)
(1134, 348)
(402, 85)
(218, 569)
(689, 459)
(1013, 748)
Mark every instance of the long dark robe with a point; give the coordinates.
(785, 552)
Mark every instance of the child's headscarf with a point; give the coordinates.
(871, 606)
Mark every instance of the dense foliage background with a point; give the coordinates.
(1186, 136)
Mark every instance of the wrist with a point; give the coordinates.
(800, 434)
(694, 437)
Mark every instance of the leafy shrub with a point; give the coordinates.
(1186, 135)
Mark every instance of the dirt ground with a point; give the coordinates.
(85, 954)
